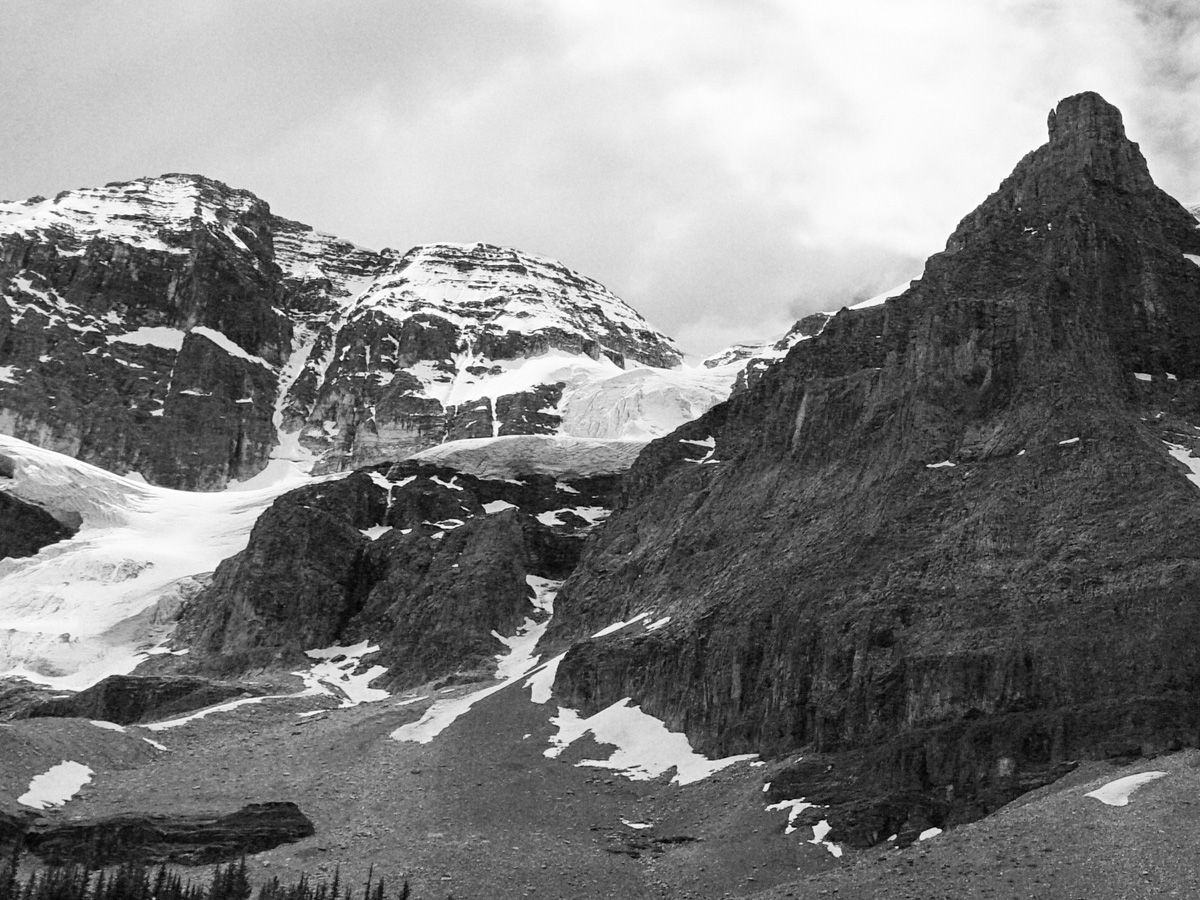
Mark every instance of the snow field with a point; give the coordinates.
(65, 613)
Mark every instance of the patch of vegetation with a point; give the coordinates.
(136, 882)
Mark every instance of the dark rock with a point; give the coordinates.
(189, 840)
(429, 592)
(969, 628)
(127, 699)
(25, 529)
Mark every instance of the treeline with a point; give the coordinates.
(136, 882)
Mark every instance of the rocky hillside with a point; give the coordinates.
(946, 544)
(177, 328)
(425, 563)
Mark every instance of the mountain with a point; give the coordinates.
(944, 544)
(175, 327)
(934, 553)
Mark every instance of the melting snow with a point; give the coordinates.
(65, 614)
(1116, 793)
(794, 807)
(496, 506)
(6, 374)
(592, 514)
(167, 338)
(229, 346)
(375, 532)
(1184, 456)
(645, 749)
(110, 726)
(56, 786)
(541, 682)
(617, 626)
(336, 674)
(654, 626)
(820, 830)
(511, 667)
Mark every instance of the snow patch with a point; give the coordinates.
(1117, 793)
(929, 833)
(1073, 440)
(56, 786)
(617, 626)
(820, 831)
(944, 464)
(495, 506)
(511, 667)
(167, 338)
(794, 807)
(337, 673)
(229, 346)
(645, 749)
(1143, 376)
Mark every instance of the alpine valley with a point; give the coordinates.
(444, 564)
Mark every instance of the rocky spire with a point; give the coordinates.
(1088, 136)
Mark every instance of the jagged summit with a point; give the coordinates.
(1088, 134)
(149, 213)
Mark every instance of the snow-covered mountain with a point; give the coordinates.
(175, 327)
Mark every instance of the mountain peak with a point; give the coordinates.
(1086, 115)
(1087, 135)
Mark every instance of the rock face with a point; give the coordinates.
(25, 529)
(423, 561)
(175, 327)
(161, 838)
(127, 699)
(947, 542)
(462, 341)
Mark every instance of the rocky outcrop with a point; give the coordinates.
(189, 840)
(25, 529)
(946, 534)
(128, 699)
(423, 561)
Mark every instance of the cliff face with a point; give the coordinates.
(950, 538)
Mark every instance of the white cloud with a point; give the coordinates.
(723, 166)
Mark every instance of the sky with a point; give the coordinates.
(725, 166)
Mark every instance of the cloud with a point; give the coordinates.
(724, 167)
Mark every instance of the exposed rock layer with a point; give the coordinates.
(127, 699)
(164, 838)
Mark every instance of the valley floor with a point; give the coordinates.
(480, 812)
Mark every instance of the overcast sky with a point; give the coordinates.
(723, 165)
